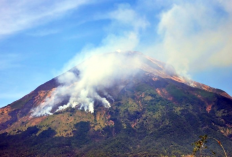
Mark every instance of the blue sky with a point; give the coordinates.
(41, 39)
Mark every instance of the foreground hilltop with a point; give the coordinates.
(146, 110)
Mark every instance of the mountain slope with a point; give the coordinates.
(153, 112)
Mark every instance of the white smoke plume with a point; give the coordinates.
(94, 75)
(98, 69)
(193, 36)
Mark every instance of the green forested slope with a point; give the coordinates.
(147, 118)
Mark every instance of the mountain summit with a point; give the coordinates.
(116, 104)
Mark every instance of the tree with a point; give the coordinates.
(201, 144)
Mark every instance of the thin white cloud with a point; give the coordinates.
(45, 32)
(112, 43)
(116, 39)
(10, 60)
(19, 15)
(128, 17)
(124, 18)
(154, 5)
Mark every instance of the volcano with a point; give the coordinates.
(117, 104)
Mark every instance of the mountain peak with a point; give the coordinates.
(117, 95)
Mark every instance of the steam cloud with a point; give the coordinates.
(82, 84)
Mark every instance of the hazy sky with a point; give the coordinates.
(40, 39)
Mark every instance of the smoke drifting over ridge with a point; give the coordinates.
(192, 36)
(81, 85)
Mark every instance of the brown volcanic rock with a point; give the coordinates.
(13, 114)
(166, 71)
(5, 114)
(210, 89)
